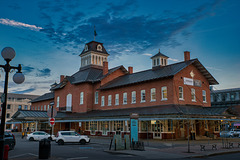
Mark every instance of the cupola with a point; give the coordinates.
(159, 59)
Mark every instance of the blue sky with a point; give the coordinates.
(48, 36)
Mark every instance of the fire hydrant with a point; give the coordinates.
(6, 149)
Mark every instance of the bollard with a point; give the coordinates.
(115, 147)
(125, 143)
(6, 149)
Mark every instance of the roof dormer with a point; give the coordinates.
(159, 60)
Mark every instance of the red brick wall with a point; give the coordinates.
(39, 104)
(178, 81)
(112, 76)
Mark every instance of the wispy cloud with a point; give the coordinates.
(147, 54)
(213, 68)
(175, 60)
(24, 91)
(44, 72)
(14, 23)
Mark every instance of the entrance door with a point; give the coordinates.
(157, 130)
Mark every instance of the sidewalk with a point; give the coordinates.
(156, 150)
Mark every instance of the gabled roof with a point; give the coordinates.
(21, 114)
(159, 54)
(46, 96)
(161, 72)
(92, 46)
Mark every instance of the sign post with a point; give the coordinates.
(52, 113)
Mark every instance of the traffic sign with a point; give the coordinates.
(52, 121)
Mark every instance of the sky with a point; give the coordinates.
(48, 36)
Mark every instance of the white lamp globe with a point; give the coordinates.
(18, 78)
(8, 53)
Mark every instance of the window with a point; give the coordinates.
(93, 127)
(133, 96)
(41, 108)
(125, 98)
(170, 125)
(154, 62)
(232, 97)
(118, 125)
(58, 99)
(164, 93)
(153, 94)
(204, 96)
(193, 95)
(35, 108)
(109, 100)
(8, 106)
(96, 97)
(102, 101)
(81, 98)
(69, 100)
(47, 107)
(117, 99)
(180, 93)
(20, 107)
(143, 96)
(158, 61)
(8, 115)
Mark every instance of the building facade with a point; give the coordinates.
(171, 100)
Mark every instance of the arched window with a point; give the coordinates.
(69, 102)
(58, 99)
(81, 98)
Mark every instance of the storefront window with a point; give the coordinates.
(118, 125)
(170, 125)
(104, 127)
(86, 126)
(145, 126)
(93, 126)
(216, 126)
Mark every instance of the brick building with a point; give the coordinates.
(98, 100)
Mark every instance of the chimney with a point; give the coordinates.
(130, 70)
(105, 67)
(61, 78)
(186, 55)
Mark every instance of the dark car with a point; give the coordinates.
(10, 140)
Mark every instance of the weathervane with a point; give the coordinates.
(95, 33)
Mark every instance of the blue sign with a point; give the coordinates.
(134, 130)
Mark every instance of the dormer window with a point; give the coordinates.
(99, 47)
(86, 48)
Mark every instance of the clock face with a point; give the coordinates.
(99, 47)
(86, 47)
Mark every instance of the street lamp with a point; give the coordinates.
(8, 54)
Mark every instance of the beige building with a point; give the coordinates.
(17, 102)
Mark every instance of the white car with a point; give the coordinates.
(71, 137)
(38, 135)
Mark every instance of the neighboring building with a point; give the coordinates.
(98, 101)
(17, 102)
(225, 97)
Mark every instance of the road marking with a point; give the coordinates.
(20, 155)
(77, 158)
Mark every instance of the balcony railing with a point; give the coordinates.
(65, 109)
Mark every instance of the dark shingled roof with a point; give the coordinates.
(92, 46)
(159, 54)
(161, 72)
(46, 96)
(21, 114)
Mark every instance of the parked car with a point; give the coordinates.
(71, 137)
(231, 133)
(10, 140)
(38, 135)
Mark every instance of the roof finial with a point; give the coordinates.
(95, 33)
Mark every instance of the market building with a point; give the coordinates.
(170, 100)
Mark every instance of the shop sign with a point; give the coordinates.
(188, 81)
(153, 121)
(134, 130)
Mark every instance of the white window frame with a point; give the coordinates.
(58, 100)
(81, 97)
(163, 89)
(133, 97)
(180, 93)
(45, 108)
(102, 101)
(116, 99)
(69, 100)
(109, 100)
(153, 91)
(125, 98)
(193, 95)
(96, 97)
(204, 95)
(143, 96)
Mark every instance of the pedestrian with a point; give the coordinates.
(23, 134)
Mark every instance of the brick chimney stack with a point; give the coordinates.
(105, 67)
(61, 78)
(130, 70)
(186, 56)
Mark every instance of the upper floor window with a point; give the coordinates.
(204, 96)
(8, 106)
(232, 96)
(117, 99)
(41, 108)
(35, 108)
(96, 97)
(81, 98)
(164, 93)
(180, 93)
(109, 100)
(212, 100)
(125, 98)
(47, 107)
(102, 101)
(153, 94)
(58, 99)
(193, 95)
(20, 107)
(143, 98)
(133, 96)
(69, 100)
(158, 62)
(8, 115)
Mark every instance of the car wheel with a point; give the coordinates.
(50, 138)
(60, 142)
(31, 139)
(82, 141)
(12, 145)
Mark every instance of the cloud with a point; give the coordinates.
(24, 91)
(147, 54)
(27, 69)
(175, 60)
(14, 23)
(44, 72)
(213, 68)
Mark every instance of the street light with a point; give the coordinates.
(8, 54)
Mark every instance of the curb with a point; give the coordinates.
(212, 154)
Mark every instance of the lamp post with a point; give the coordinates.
(8, 54)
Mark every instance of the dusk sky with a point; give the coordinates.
(48, 36)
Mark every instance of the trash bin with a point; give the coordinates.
(44, 149)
